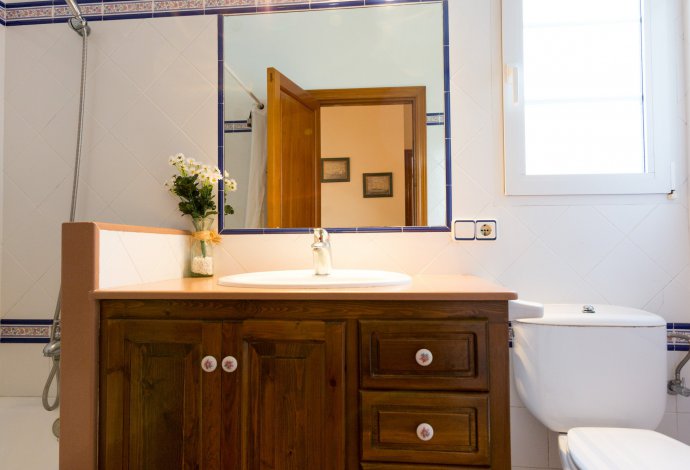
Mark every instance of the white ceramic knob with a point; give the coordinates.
(425, 432)
(209, 363)
(229, 364)
(424, 357)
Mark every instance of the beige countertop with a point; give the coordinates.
(423, 287)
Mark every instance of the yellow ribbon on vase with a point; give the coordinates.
(207, 236)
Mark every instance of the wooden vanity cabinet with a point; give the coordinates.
(303, 385)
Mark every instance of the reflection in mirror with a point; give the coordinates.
(362, 85)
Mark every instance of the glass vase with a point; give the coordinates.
(201, 254)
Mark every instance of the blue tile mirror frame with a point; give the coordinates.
(397, 43)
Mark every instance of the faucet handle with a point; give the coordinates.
(321, 235)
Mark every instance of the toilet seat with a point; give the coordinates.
(622, 449)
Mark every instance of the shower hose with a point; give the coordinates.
(52, 349)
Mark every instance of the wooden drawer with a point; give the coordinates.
(388, 351)
(460, 424)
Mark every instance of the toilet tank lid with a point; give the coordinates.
(604, 315)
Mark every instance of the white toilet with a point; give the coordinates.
(599, 379)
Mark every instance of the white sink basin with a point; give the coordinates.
(306, 279)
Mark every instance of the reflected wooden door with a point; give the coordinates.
(293, 179)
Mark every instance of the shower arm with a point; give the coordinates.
(677, 386)
(243, 86)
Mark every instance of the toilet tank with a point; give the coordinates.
(603, 369)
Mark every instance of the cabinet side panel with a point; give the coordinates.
(500, 399)
(79, 344)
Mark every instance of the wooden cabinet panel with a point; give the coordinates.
(293, 384)
(318, 386)
(158, 408)
(460, 424)
(456, 351)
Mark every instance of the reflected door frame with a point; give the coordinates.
(415, 167)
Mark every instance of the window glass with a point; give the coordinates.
(583, 87)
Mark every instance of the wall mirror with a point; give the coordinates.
(314, 100)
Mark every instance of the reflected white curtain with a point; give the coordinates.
(256, 186)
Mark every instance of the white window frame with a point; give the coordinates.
(662, 118)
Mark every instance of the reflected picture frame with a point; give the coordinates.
(377, 184)
(335, 170)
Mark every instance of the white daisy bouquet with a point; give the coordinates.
(194, 185)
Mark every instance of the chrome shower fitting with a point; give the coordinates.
(77, 22)
(677, 386)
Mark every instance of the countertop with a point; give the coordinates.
(423, 287)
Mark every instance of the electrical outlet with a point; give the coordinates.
(463, 229)
(485, 230)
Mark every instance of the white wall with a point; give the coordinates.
(626, 250)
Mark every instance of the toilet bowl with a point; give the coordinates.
(597, 376)
(620, 449)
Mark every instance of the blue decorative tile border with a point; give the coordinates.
(234, 127)
(25, 331)
(672, 344)
(676, 344)
(435, 119)
(38, 331)
(56, 11)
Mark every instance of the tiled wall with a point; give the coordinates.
(151, 93)
(133, 257)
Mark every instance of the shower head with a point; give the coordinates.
(77, 22)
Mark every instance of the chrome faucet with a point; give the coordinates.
(321, 248)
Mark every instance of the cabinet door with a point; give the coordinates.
(289, 395)
(159, 409)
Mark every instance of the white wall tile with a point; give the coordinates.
(181, 31)
(153, 258)
(665, 227)
(625, 216)
(189, 87)
(554, 453)
(23, 369)
(582, 237)
(143, 65)
(684, 427)
(110, 94)
(116, 268)
(673, 302)
(627, 276)
(26, 428)
(15, 282)
(135, 202)
(136, 132)
(529, 439)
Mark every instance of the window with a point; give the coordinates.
(590, 102)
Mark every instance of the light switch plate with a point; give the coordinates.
(463, 229)
(485, 230)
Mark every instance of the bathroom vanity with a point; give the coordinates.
(189, 374)
(195, 375)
